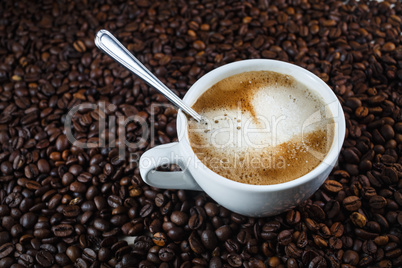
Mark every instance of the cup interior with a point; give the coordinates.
(313, 83)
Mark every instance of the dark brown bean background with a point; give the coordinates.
(64, 206)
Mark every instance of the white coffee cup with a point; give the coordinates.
(245, 199)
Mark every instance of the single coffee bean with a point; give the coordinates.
(234, 260)
(284, 237)
(302, 240)
(195, 243)
(28, 220)
(71, 211)
(79, 46)
(365, 234)
(195, 221)
(104, 254)
(215, 262)
(351, 257)
(44, 258)
(377, 202)
(337, 229)
(62, 230)
(179, 218)
(293, 217)
(319, 241)
(231, 245)
(293, 251)
(318, 262)
(26, 260)
(368, 192)
(312, 225)
(6, 262)
(223, 233)
(166, 254)
(274, 261)
(211, 209)
(352, 203)
(381, 240)
(358, 219)
(209, 239)
(159, 239)
(252, 246)
(176, 233)
(332, 208)
(6, 249)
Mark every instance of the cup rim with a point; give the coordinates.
(329, 159)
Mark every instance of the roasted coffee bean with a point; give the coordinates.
(104, 254)
(195, 221)
(26, 260)
(234, 260)
(6, 262)
(101, 224)
(243, 237)
(231, 245)
(176, 233)
(291, 263)
(6, 249)
(44, 258)
(62, 230)
(48, 247)
(73, 252)
(302, 240)
(195, 243)
(284, 237)
(209, 239)
(318, 261)
(114, 201)
(211, 209)
(28, 219)
(377, 202)
(293, 217)
(71, 211)
(89, 255)
(316, 212)
(365, 234)
(179, 218)
(274, 261)
(337, 229)
(312, 225)
(332, 208)
(159, 239)
(368, 192)
(293, 251)
(358, 219)
(351, 257)
(146, 210)
(215, 262)
(223, 233)
(381, 240)
(352, 203)
(166, 254)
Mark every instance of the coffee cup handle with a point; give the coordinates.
(163, 155)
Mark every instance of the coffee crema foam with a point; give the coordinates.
(261, 127)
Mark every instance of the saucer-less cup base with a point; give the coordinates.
(245, 199)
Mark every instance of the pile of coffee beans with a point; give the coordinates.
(62, 205)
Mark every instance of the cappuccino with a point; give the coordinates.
(261, 128)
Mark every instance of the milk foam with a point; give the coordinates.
(255, 129)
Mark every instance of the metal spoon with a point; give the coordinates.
(106, 42)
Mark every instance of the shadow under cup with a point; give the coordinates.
(261, 200)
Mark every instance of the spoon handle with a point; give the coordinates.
(106, 42)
